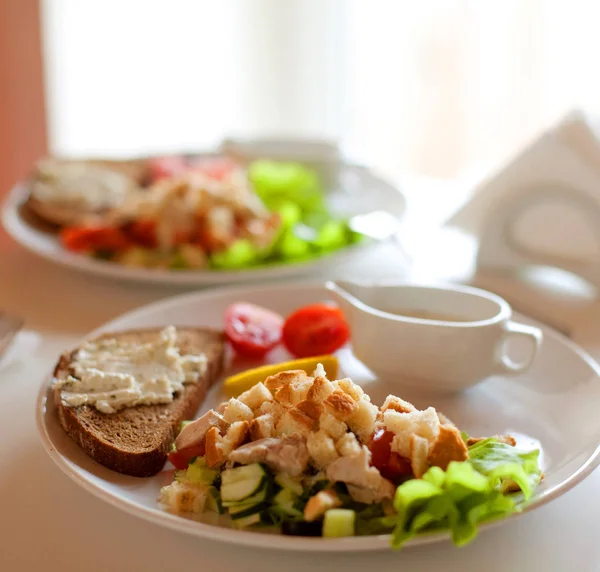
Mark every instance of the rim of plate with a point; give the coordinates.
(33, 240)
(266, 540)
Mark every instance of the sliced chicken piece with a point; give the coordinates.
(287, 454)
(194, 433)
(365, 480)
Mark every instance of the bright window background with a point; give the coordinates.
(443, 88)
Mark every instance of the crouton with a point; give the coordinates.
(283, 378)
(283, 395)
(294, 421)
(235, 436)
(332, 426)
(214, 452)
(396, 404)
(348, 445)
(271, 408)
(321, 449)
(320, 371)
(424, 423)
(194, 433)
(362, 421)
(320, 389)
(352, 389)
(313, 410)
(262, 427)
(256, 396)
(319, 504)
(448, 446)
(340, 405)
(237, 411)
(218, 448)
(419, 449)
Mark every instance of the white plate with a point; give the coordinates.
(359, 192)
(554, 407)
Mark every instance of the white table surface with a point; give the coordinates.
(47, 523)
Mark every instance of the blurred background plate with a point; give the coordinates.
(355, 190)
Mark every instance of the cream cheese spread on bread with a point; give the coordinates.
(110, 374)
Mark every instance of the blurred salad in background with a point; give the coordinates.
(215, 213)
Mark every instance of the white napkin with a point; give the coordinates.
(568, 154)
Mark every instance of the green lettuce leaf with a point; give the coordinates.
(465, 495)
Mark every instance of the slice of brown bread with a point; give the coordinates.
(135, 440)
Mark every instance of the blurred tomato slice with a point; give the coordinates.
(252, 331)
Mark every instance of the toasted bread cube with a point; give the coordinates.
(340, 405)
(313, 410)
(300, 390)
(320, 371)
(262, 427)
(218, 448)
(283, 378)
(256, 396)
(362, 422)
(419, 450)
(237, 411)
(348, 445)
(320, 389)
(294, 421)
(194, 433)
(424, 423)
(214, 453)
(351, 389)
(332, 426)
(321, 449)
(271, 408)
(283, 395)
(235, 436)
(184, 497)
(396, 404)
(448, 446)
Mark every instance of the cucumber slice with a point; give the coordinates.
(338, 522)
(287, 482)
(247, 521)
(213, 501)
(260, 496)
(253, 471)
(237, 493)
(198, 472)
(247, 511)
(285, 500)
(242, 482)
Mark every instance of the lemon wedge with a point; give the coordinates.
(240, 382)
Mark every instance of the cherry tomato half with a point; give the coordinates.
(252, 330)
(315, 330)
(391, 465)
(181, 459)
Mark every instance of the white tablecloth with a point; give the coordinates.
(47, 523)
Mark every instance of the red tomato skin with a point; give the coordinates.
(167, 167)
(381, 448)
(317, 329)
(93, 238)
(143, 233)
(251, 330)
(181, 459)
(391, 465)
